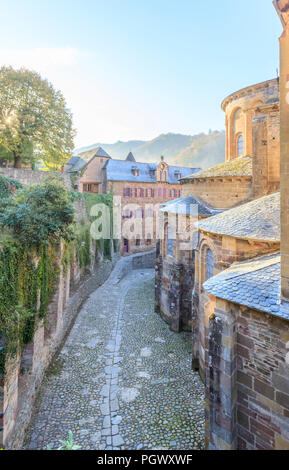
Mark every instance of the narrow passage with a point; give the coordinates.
(122, 380)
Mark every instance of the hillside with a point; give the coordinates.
(202, 150)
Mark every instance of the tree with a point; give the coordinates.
(38, 214)
(35, 123)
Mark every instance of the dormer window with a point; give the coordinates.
(178, 174)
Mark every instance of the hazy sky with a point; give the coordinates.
(132, 69)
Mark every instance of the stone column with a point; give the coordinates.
(220, 379)
(248, 144)
(282, 7)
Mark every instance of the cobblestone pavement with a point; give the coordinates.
(123, 379)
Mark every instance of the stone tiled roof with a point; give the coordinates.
(241, 166)
(187, 205)
(122, 170)
(255, 284)
(256, 220)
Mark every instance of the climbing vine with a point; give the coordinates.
(34, 222)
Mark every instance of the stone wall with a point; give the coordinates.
(94, 174)
(226, 251)
(33, 177)
(135, 261)
(220, 193)
(246, 379)
(266, 151)
(174, 283)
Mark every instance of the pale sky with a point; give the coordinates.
(133, 69)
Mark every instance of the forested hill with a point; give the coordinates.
(201, 150)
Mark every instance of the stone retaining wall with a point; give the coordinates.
(33, 176)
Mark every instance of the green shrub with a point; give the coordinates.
(39, 213)
(8, 186)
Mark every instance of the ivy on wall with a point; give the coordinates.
(33, 221)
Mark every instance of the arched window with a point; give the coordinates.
(209, 264)
(240, 145)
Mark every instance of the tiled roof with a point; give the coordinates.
(255, 284)
(121, 170)
(187, 205)
(256, 220)
(241, 166)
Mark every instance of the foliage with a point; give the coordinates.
(21, 281)
(35, 123)
(67, 445)
(83, 246)
(33, 220)
(39, 214)
(8, 186)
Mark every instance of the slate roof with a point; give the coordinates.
(121, 170)
(75, 164)
(96, 152)
(187, 205)
(241, 166)
(256, 220)
(130, 157)
(255, 284)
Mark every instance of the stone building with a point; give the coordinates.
(140, 187)
(251, 170)
(239, 234)
(239, 321)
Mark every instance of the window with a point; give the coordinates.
(135, 171)
(126, 192)
(240, 146)
(127, 214)
(209, 264)
(137, 240)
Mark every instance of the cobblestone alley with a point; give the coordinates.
(122, 380)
